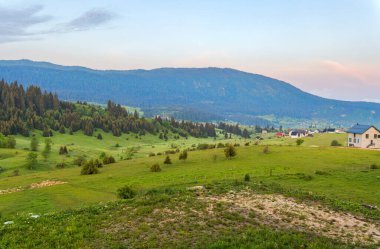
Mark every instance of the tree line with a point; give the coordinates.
(22, 110)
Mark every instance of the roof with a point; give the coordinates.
(360, 129)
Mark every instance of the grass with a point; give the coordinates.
(84, 212)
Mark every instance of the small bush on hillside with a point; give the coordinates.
(220, 145)
(300, 141)
(126, 192)
(230, 152)
(16, 172)
(167, 160)
(335, 143)
(247, 178)
(266, 150)
(2, 170)
(168, 152)
(63, 150)
(31, 160)
(61, 165)
(108, 160)
(89, 168)
(99, 136)
(155, 168)
(159, 154)
(246, 144)
(321, 173)
(374, 166)
(80, 160)
(151, 154)
(183, 155)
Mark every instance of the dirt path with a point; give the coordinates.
(42, 184)
(282, 212)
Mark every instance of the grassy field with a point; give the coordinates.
(340, 178)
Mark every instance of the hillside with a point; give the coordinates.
(231, 94)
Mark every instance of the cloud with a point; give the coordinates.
(90, 19)
(15, 24)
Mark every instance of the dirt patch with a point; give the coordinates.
(46, 183)
(42, 184)
(286, 213)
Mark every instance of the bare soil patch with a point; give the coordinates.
(42, 184)
(287, 213)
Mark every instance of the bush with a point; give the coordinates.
(60, 165)
(168, 152)
(230, 152)
(335, 143)
(266, 150)
(31, 160)
(108, 160)
(89, 168)
(300, 141)
(374, 166)
(63, 150)
(220, 145)
(99, 136)
(151, 154)
(167, 160)
(126, 192)
(183, 155)
(80, 160)
(155, 168)
(321, 173)
(247, 178)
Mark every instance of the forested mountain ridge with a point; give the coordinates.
(229, 93)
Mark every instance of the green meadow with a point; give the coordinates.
(340, 178)
(315, 167)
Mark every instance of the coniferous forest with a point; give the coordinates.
(22, 110)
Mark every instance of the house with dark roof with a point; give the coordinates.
(364, 136)
(297, 133)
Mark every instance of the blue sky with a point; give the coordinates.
(330, 48)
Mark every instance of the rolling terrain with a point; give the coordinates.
(194, 93)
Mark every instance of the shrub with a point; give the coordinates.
(246, 144)
(167, 160)
(335, 143)
(266, 149)
(60, 165)
(80, 160)
(168, 152)
(220, 145)
(109, 160)
(63, 150)
(89, 168)
(126, 192)
(16, 172)
(159, 154)
(34, 143)
(300, 141)
(183, 155)
(155, 168)
(230, 152)
(202, 146)
(319, 172)
(151, 154)
(374, 166)
(247, 178)
(31, 160)
(99, 136)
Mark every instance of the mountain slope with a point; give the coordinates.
(228, 93)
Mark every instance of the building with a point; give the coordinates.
(364, 136)
(297, 133)
(280, 134)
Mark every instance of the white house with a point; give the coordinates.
(297, 133)
(364, 136)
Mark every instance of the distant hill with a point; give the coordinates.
(213, 93)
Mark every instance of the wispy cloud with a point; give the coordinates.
(17, 25)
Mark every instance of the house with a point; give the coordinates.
(329, 130)
(364, 136)
(297, 133)
(280, 134)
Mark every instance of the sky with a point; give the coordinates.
(328, 48)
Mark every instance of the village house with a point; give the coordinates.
(297, 133)
(364, 136)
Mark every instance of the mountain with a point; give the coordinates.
(218, 93)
